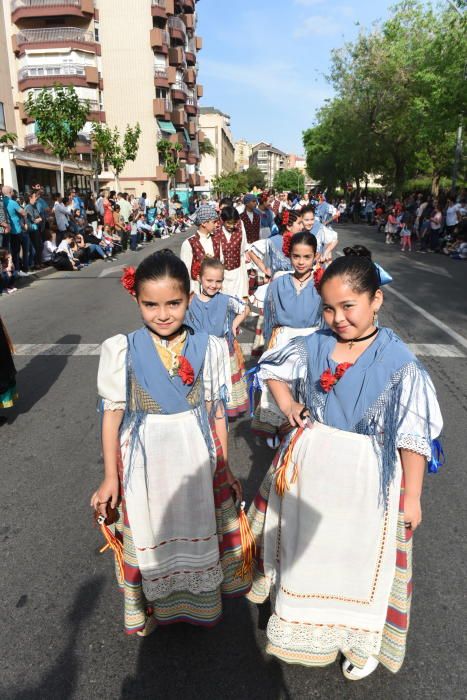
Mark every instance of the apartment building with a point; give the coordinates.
(242, 155)
(133, 60)
(215, 125)
(269, 160)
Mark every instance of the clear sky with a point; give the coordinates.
(263, 61)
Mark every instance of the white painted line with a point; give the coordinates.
(80, 349)
(435, 350)
(435, 321)
(430, 268)
(110, 270)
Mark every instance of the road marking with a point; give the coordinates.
(435, 350)
(431, 269)
(76, 349)
(93, 349)
(435, 321)
(111, 270)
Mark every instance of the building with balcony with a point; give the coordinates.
(242, 155)
(133, 60)
(269, 160)
(215, 126)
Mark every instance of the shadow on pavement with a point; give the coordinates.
(40, 374)
(61, 678)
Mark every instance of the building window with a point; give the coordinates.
(2, 117)
(96, 33)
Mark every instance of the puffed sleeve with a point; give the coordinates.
(217, 376)
(111, 377)
(236, 305)
(420, 415)
(287, 364)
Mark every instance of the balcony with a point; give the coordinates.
(160, 40)
(190, 21)
(201, 137)
(58, 37)
(83, 144)
(192, 128)
(177, 57)
(190, 52)
(190, 76)
(178, 117)
(191, 106)
(199, 91)
(162, 8)
(188, 5)
(198, 43)
(179, 92)
(162, 107)
(35, 9)
(177, 30)
(164, 77)
(49, 75)
(180, 176)
(161, 175)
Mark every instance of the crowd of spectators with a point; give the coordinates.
(73, 230)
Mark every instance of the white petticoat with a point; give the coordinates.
(330, 546)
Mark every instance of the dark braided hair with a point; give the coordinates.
(304, 238)
(160, 265)
(360, 273)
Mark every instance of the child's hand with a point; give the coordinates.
(106, 494)
(412, 512)
(235, 485)
(294, 415)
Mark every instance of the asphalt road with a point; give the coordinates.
(61, 613)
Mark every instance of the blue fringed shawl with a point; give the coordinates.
(286, 306)
(214, 317)
(170, 393)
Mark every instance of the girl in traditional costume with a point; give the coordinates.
(220, 315)
(292, 308)
(271, 256)
(335, 515)
(163, 390)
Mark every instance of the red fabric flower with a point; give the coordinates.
(195, 269)
(185, 371)
(285, 217)
(317, 277)
(341, 369)
(327, 380)
(128, 280)
(286, 241)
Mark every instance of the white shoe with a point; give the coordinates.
(23, 274)
(352, 673)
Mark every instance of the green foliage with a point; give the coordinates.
(400, 89)
(109, 147)
(8, 138)
(59, 115)
(206, 148)
(169, 157)
(230, 184)
(255, 178)
(288, 180)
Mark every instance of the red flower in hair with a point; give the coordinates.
(286, 242)
(327, 380)
(128, 280)
(285, 217)
(185, 371)
(317, 277)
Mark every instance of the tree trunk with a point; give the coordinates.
(117, 181)
(356, 208)
(62, 178)
(435, 184)
(399, 176)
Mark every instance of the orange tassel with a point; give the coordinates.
(113, 543)
(282, 483)
(248, 544)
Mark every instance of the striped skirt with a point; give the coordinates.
(201, 609)
(394, 631)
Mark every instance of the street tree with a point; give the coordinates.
(170, 160)
(288, 180)
(255, 178)
(59, 116)
(112, 150)
(230, 184)
(206, 148)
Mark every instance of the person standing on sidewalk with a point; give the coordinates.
(19, 236)
(62, 218)
(34, 225)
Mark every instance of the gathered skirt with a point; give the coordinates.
(181, 539)
(238, 404)
(335, 562)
